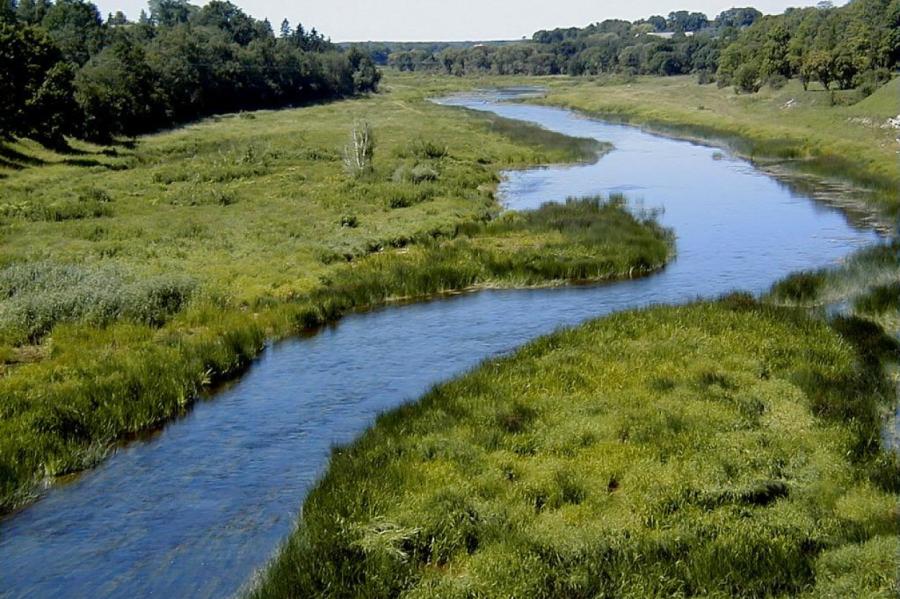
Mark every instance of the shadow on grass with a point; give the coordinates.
(14, 159)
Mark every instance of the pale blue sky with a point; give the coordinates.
(418, 20)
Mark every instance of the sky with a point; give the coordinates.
(457, 20)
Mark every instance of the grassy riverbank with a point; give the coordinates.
(813, 130)
(133, 276)
(719, 449)
(867, 284)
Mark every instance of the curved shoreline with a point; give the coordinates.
(506, 318)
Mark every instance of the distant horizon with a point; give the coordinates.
(409, 21)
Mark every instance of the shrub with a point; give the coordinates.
(427, 149)
(705, 77)
(38, 295)
(776, 81)
(422, 173)
(746, 78)
(868, 82)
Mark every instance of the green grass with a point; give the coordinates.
(219, 236)
(724, 449)
(579, 241)
(866, 283)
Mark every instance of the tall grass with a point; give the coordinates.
(575, 149)
(38, 295)
(131, 379)
(880, 299)
(667, 452)
(582, 240)
(866, 283)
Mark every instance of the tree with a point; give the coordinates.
(76, 28)
(117, 92)
(774, 53)
(7, 11)
(286, 29)
(168, 13)
(228, 18)
(738, 18)
(365, 75)
(36, 87)
(116, 20)
(844, 68)
(657, 22)
(360, 151)
(52, 111)
(819, 65)
(32, 12)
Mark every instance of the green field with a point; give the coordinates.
(133, 276)
(725, 449)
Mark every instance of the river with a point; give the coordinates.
(195, 509)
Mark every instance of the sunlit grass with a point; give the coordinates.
(720, 449)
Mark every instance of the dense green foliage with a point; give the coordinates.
(683, 43)
(67, 72)
(719, 449)
(854, 45)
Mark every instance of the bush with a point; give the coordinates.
(422, 173)
(776, 81)
(427, 149)
(868, 82)
(37, 296)
(705, 77)
(746, 78)
(416, 174)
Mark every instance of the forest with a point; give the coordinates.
(69, 72)
(855, 45)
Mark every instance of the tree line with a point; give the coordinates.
(68, 72)
(856, 44)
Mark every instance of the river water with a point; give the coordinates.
(194, 510)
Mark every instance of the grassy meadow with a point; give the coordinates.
(721, 449)
(134, 275)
